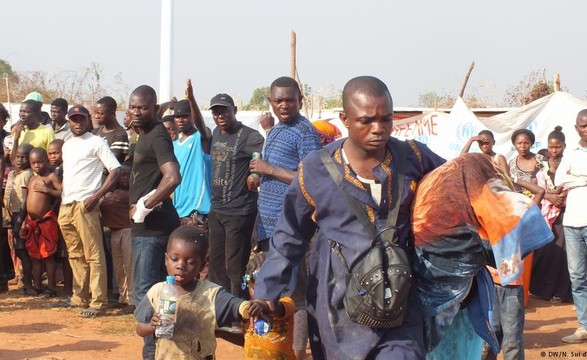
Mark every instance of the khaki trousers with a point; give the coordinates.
(123, 264)
(82, 233)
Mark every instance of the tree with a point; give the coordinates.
(79, 86)
(531, 87)
(332, 99)
(432, 99)
(447, 100)
(259, 99)
(5, 67)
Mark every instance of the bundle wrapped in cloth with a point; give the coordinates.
(467, 215)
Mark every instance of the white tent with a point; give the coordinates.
(541, 117)
(446, 134)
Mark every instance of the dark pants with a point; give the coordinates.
(6, 266)
(508, 321)
(230, 247)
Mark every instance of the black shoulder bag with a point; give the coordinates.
(377, 291)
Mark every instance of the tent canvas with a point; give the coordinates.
(446, 134)
(540, 116)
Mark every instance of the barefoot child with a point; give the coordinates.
(55, 154)
(40, 228)
(202, 306)
(17, 181)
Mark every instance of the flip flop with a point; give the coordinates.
(91, 313)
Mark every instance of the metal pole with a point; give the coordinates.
(166, 55)
(8, 94)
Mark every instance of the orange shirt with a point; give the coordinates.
(276, 344)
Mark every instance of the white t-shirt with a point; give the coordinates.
(572, 174)
(84, 159)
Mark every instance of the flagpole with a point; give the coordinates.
(166, 55)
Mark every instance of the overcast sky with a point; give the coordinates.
(235, 46)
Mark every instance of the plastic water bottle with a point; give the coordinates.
(255, 155)
(167, 301)
(262, 326)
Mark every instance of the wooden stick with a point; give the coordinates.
(462, 92)
(557, 82)
(292, 58)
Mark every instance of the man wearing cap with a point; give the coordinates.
(28, 130)
(234, 207)
(192, 149)
(85, 156)
(58, 111)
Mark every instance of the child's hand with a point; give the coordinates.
(41, 187)
(260, 307)
(24, 231)
(155, 321)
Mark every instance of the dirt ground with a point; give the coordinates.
(31, 328)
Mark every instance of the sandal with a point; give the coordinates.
(91, 313)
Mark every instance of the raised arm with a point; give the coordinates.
(163, 107)
(17, 130)
(198, 118)
(467, 146)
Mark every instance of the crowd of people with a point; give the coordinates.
(255, 224)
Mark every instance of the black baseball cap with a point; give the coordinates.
(78, 110)
(182, 108)
(221, 100)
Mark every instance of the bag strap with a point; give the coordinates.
(397, 191)
(354, 204)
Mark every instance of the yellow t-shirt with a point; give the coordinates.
(39, 137)
(276, 344)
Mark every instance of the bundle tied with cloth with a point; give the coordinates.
(327, 131)
(467, 215)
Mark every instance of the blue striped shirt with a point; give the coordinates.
(286, 145)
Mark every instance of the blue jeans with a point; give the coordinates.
(508, 320)
(576, 243)
(148, 255)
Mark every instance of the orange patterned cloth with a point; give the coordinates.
(327, 131)
(42, 235)
(276, 344)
